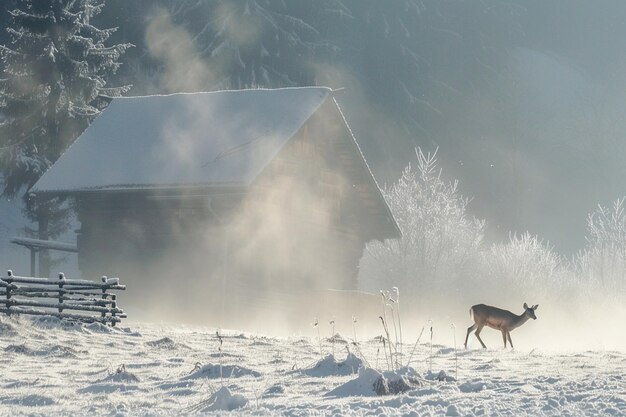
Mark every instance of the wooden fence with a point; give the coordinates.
(88, 301)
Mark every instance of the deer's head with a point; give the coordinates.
(530, 311)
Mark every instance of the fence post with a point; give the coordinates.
(8, 287)
(104, 297)
(113, 307)
(61, 292)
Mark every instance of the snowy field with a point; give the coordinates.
(50, 368)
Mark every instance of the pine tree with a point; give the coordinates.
(55, 67)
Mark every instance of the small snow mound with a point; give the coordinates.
(221, 354)
(474, 386)
(223, 400)
(405, 371)
(336, 338)
(212, 371)
(32, 400)
(128, 331)
(452, 411)
(399, 385)
(363, 385)
(274, 391)
(59, 351)
(260, 342)
(51, 322)
(166, 343)
(549, 380)
(442, 376)
(121, 376)
(330, 366)
(21, 349)
(7, 329)
(181, 392)
(18, 383)
(97, 327)
(400, 381)
(370, 382)
(107, 388)
(552, 404)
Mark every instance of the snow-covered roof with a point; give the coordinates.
(223, 138)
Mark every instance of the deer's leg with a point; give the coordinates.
(508, 334)
(478, 336)
(469, 330)
(504, 334)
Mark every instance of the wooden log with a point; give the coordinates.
(35, 292)
(110, 283)
(17, 290)
(65, 306)
(82, 300)
(77, 317)
(96, 287)
(66, 288)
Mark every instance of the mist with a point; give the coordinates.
(520, 99)
(523, 104)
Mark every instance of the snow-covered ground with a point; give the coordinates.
(50, 368)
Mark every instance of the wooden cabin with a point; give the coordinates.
(242, 192)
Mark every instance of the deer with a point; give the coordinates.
(498, 319)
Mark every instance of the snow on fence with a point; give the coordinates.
(88, 301)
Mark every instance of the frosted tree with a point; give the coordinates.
(603, 262)
(55, 66)
(439, 239)
(525, 265)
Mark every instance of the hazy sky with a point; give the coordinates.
(536, 137)
(546, 143)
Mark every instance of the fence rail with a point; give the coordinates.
(89, 301)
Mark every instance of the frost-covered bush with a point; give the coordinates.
(602, 263)
(525, 265)
(442, 253)
(442, 257)
(440, 241)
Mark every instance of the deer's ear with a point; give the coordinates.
(525, 306)
(535, 306)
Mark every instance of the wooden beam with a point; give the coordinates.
(39, 244)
